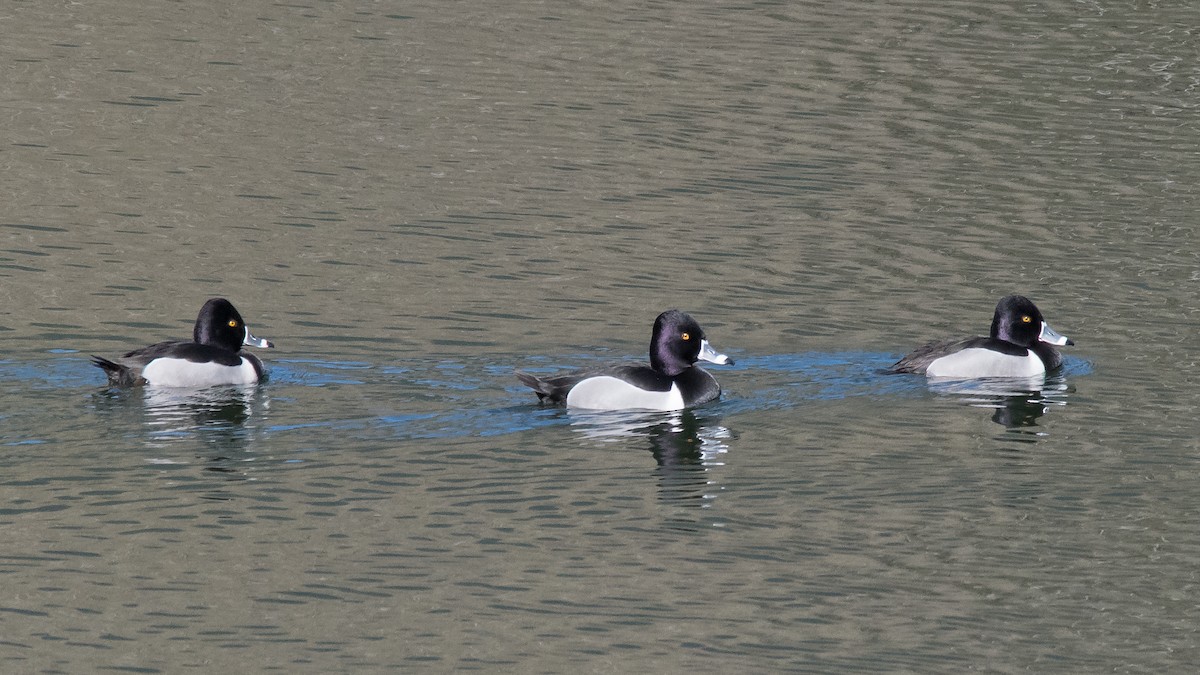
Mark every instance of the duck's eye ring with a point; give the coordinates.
(1026, 319)
(233, 323)
(685, 336)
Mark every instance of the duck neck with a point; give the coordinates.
(665, 362)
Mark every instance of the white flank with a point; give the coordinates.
(610, 393)
(184, 373)
(976, 362)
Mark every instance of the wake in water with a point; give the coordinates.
(448, 399)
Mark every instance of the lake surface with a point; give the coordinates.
(413, 200)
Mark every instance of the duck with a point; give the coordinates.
(1021, 344)
(671, 381)
(213, 357)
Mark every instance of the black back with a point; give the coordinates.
(556, 388)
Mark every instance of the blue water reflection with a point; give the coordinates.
(447, 399)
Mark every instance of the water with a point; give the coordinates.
(412, 202)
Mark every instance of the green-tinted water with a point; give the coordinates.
(412, 201)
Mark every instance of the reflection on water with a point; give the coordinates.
(685, 446)
(215, 416)
(1017, 403)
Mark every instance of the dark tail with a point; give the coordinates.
(534, 383)
(118, 375)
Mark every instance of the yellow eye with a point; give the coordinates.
(233, 323)
(685, 336)
(1026, 319)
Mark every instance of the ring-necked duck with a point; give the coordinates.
(1021, 345)
(670, 382)
(213, 357)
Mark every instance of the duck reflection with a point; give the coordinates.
(686, 448)
(1017, 403)
(216, 417)
(218, 413)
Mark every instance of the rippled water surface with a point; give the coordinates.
(414, 200)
